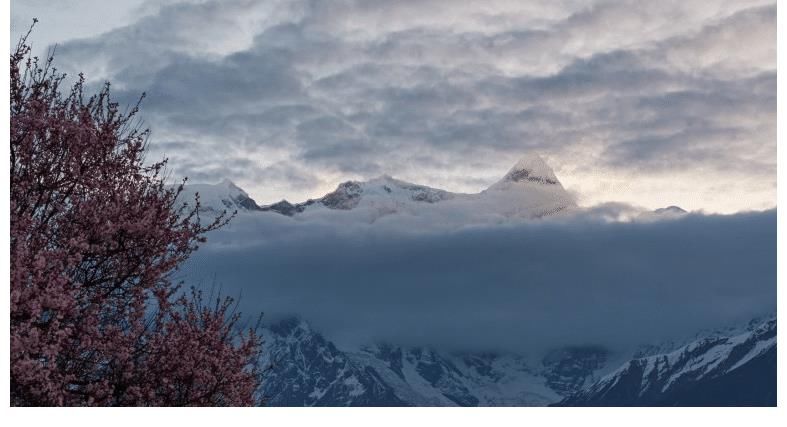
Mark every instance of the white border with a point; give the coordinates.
(5, 272)
(289, 417)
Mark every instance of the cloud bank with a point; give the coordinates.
(528, 286)
(651, 103)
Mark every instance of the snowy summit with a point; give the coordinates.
(529, 190)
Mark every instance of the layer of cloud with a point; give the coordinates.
(527, 286)
(655, 103)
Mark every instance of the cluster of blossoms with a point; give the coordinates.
(96, 234)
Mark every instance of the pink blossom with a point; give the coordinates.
(95, 237)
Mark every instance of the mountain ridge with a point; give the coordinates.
(307, 369)
(530, 189)
(736, 370)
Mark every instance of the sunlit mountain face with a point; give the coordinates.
(529, 190)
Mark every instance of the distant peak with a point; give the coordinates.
(231, 186)
(227, 183)
(671, 209)
(531, 168)
(224, 195)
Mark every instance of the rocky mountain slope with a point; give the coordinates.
(738, 370)
(307, 369)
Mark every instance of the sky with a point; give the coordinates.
(647, 103)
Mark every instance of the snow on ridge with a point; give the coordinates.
(531, 168)
(529, 190)
(223, 196)
(710, 356)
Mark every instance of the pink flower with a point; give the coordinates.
(95, 235)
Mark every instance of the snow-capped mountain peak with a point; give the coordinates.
(530, 169)
(671, 210)
(223, 196)
(530, 189)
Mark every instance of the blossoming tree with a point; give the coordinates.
(96, 318)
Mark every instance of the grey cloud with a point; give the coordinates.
(360, 89)
(524, 287)
(712, 125)
(742, 43)
(202, 87)
(213, 167)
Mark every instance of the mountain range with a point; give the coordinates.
(735, 366)
(529, 190)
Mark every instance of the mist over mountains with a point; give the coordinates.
(396, 267)
(518, 270)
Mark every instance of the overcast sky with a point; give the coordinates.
(650, 103)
